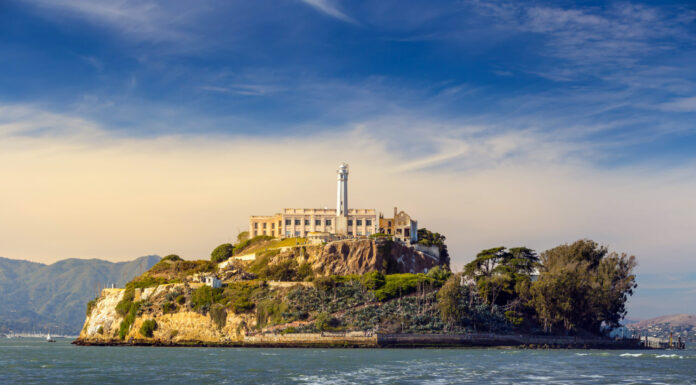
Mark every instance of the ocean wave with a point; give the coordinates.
(631, 355)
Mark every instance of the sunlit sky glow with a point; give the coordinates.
(142, 127)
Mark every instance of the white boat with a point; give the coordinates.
(49, 339)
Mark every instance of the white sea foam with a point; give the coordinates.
(631, 354)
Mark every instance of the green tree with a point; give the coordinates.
(451, 301)
(222, 253)
(428, 238)
(581, 286)
(500, 273)
(148, 327)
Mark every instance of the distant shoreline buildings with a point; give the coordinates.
(343, 222)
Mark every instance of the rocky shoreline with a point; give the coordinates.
(321, 340)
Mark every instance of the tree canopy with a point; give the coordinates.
(582, 285)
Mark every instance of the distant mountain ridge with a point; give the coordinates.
(52, 298)
(673, 320)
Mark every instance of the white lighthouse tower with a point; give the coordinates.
(342, 192)
(342, 200)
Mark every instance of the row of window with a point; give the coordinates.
(256, 225)
(298, 222)
(358, 222)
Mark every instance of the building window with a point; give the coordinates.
(297, 222)
(287, 234)
(350, 222)
(264, 225)
(256, 225)
(389, 223)
(297, 233)
(280, 224)
(288, 222)
(328, 222)
(306, 222)
(368, 222)
(360, 233)
(350, 233)
(273, 225)
(359, 221)
(317, 222)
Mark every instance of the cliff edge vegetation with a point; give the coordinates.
(350, 291)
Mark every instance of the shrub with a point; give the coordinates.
(324, 321)
(90, 305)
(304, 271)
(171, 257)
(203, 297)
(168, 307)
(148, 327)
(242, 305)
(270, 312)
(128, 319)
(373, 280)
(181, 299)
(219, 315)
(439, 274)
(100, 330)
(324, 283)
(222, 253)
(397, 285)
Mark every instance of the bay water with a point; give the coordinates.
(34, 361)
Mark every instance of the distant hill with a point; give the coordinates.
(673, 320)
(679, 325)
(53, 298)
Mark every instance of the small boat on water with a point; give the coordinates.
(49, 339)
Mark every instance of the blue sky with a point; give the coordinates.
(588, 107)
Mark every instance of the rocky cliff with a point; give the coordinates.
(168, 305)
(365, 255)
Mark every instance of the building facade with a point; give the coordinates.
(342, 222)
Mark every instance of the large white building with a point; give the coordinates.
(341, 222)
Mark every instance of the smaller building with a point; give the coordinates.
(319, 237)
(401, 226)
(212, 281)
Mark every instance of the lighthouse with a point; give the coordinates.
(342, 200)
(342, 191)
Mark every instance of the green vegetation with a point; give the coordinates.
(500, 274)
(270, 312)
(203, 297)
(222, 253)
(168, 307)
(398, 285)
(148, 327)
(90, 305)
(581, 286)
(218, 314)
(169, 271)
(100, 330)
(128, 319)
(171, 257)
(325, 322)
(428, 238)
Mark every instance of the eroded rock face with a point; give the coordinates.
(359, 256)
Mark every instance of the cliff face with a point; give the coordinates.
(180, 326)
(365, 255)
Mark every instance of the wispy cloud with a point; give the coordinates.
(149, 21)
(594, 40)
(244, 89)
(680, 105)
(329, 8)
